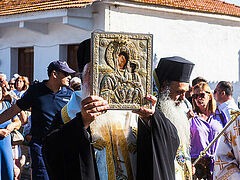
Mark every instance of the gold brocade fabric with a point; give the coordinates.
(119, 144)
(227, 157)
(183, 167)
(118, 151)
(64, 115)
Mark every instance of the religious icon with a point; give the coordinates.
(122, 68)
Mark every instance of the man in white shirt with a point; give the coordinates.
(223, 95)
(227, 158)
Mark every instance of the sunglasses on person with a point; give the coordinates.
(201, 95)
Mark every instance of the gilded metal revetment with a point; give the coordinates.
(122, 68)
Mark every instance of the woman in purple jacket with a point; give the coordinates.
(205, 125)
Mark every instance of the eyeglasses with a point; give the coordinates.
(201, 95)
(215, 91)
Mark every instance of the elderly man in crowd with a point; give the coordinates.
(3, 81)
(227, 156)
(107, 144)
(172, 79)
(75, 84)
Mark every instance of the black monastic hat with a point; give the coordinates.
(173, 69)
(84, 54)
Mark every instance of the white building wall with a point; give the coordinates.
(212, 44)
(50, 46)
(5, 63)
(47, 47)
(58, 33)
(42, 57)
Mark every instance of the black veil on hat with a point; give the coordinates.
(84, 54)
(173, 69)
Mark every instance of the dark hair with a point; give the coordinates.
(84, 54)
(197, 80)
(227, 87)
(49, 72)
(51, 69)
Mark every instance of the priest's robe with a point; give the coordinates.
(69, 154)
(227, 157)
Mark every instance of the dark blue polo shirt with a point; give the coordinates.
(45, 104)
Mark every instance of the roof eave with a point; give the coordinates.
(46, 6)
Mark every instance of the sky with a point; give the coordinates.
(237, 2)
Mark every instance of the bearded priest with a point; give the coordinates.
(172, 79)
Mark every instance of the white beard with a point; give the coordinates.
(112, 117)
(177, 116)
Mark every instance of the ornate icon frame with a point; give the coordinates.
(132, 85)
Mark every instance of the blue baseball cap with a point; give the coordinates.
(60, 66)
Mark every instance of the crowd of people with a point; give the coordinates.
(73, 135)
(15, 155)
(15, 159)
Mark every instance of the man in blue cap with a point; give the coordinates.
(45, 99)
